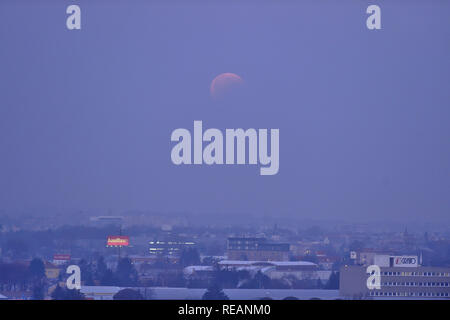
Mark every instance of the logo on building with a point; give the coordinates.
(405, 261)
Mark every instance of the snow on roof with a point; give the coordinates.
(99, 289)
(252, 268)
(266, 263)
(192, 269)
(294, 263)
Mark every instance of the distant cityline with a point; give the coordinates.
(213, 152)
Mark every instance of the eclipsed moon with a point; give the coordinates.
(225, 84)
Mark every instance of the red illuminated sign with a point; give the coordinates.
(118, 241)
(65, 257)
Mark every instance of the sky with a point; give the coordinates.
(86, 115)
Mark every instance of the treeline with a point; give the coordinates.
(20, 277)
(32, 280)
(98, 273)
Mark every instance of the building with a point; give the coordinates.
(366, 256)
(169, 246)
(300, 270)
(107, 220)
(99, 292)
(52, 271)
(256, 249)
(199, 276)
(61, 259)
(400, 277)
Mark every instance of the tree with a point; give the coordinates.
(16, 247)
(38, 292)
(103, 274)
(333, 281)
(226, 278)
(108, 278)
(66, 294)
(128, 294)
(13, 275)
(319, 284)
(58, 293)
(189, 257)
(36, 272)
(86, 272)
(259, 281)
(36, 269)
(101, 269)
(356, 245)
(314, 231)
(214, 292)
(73, 294)
(126, 273)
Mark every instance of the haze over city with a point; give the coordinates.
(363, 129)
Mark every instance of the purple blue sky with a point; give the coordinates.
(86, 116)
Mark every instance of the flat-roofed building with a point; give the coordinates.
(256, 249)
(301, 270)
(396, 282)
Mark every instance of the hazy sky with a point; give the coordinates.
(364, 116)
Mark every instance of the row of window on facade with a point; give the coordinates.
(409, 294)
(420, 274)
(417, 284)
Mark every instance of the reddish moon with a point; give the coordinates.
(225, 84)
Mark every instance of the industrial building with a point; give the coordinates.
(400, 277)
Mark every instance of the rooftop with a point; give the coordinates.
(266, 263)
